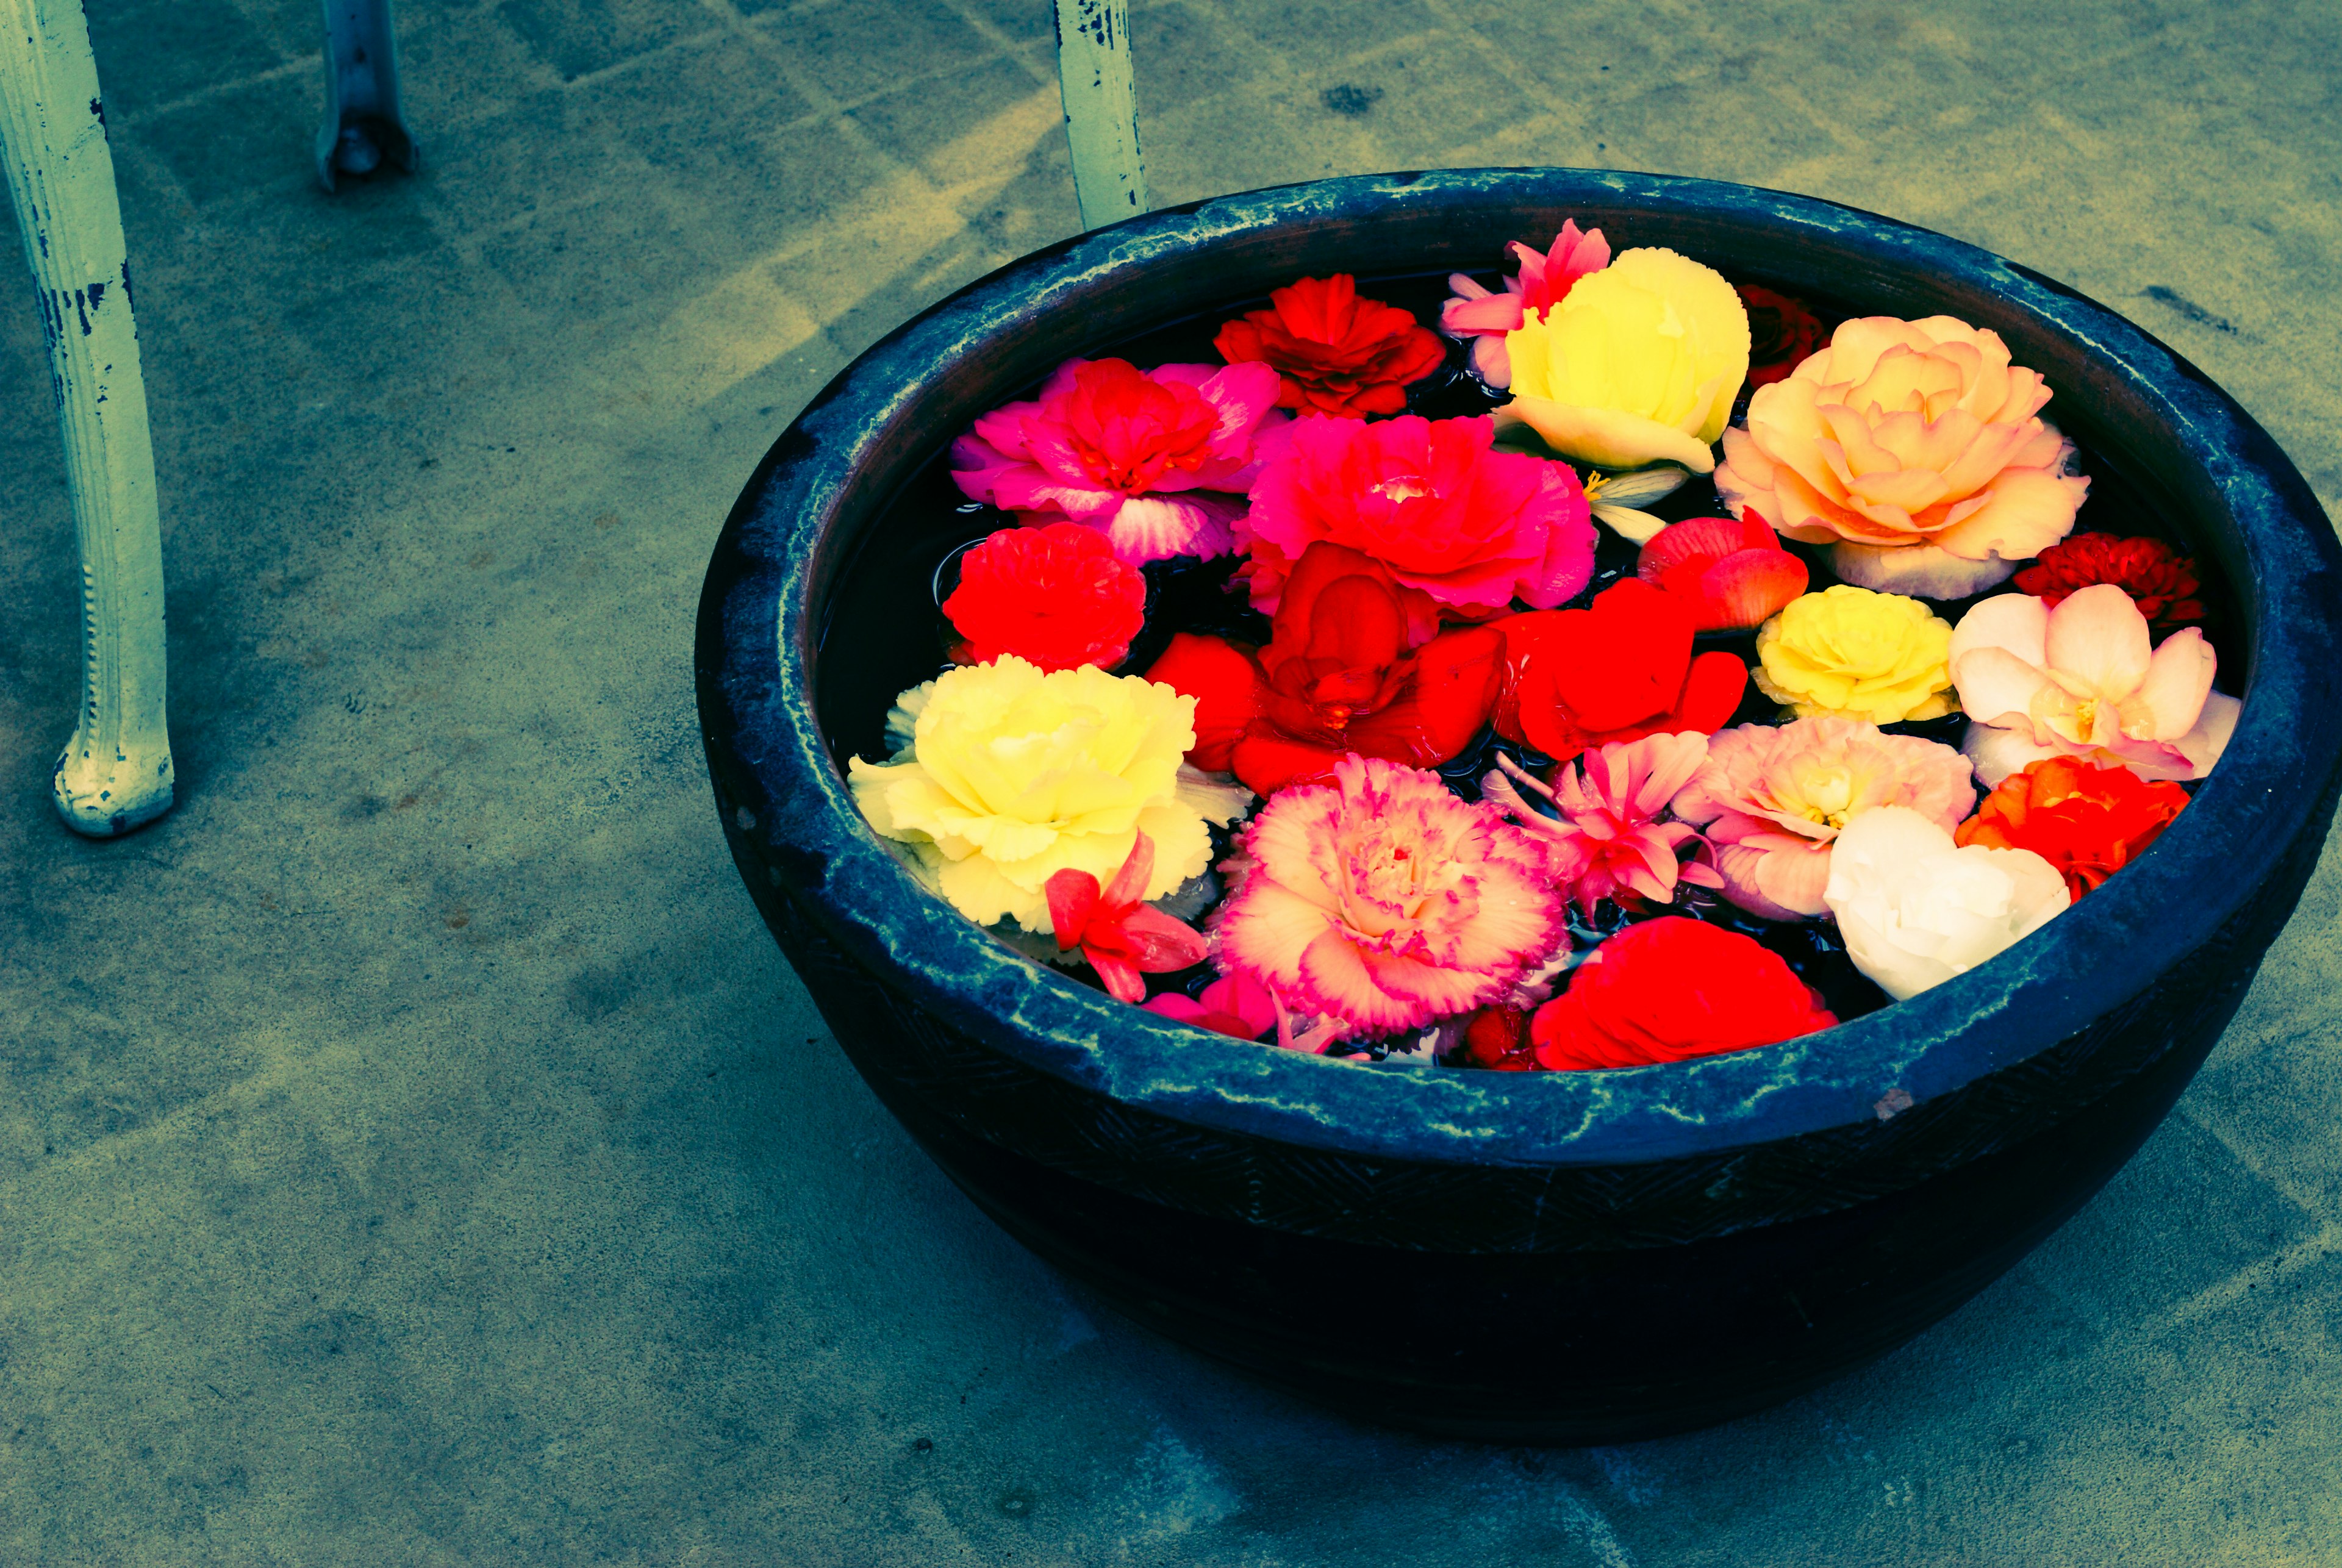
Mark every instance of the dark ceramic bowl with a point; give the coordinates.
(1555, 1257)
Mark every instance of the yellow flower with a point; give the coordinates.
(1856, 655)
(1011, 776)
(1638, 363)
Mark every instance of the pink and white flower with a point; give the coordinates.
(2084, 680)
(1157, 460)
(1609, 841)
(1772, 801)
(1382, 902)
(1544, 281)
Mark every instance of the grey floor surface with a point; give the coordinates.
(414, 1151)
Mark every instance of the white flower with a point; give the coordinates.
(1916, 911)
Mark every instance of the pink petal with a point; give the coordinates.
(2203, 745)
(1794, 878)
(1157, 527)
(1495, 312)
(2179, 678)
(1129, 884)
(1172, 1004)
(1122, 981)
(2097, 637)
(1160, 943)
(1493, 362)
(1999, 753)
(1997, 687)
(1072, 897)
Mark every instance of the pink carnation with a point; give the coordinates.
(1773, 799)
(1608, 842)
(1382, 902)
(1543, 281)
(1464, 528)
(1130, 453)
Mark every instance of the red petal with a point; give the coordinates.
(1268, 761)
(1747, 589)
(1129, 884)
(1339, 604)
(1157, 943)
(1624, 659)
(1526, 642)
(1227, 688)
(1438, 712)
(1122, 981)
(1073, 897)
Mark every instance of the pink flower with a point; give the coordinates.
(1120, 936)
(1129, 452)
(1235, 1004)
(1382, 902)
(1609, 842)
(1464, 528)
(2081, 681)
(1772, 801)
(1543, 281)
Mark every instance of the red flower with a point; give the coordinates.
(1497, 1038)
(2088, 821)
(1463, 528)
(1668, 990)
(1338, 676)
(1781, 334)
(1120, 936)
(1732, 574)
(1058, 597)
(2157, 577)
(1618, 671)
(1337, 353)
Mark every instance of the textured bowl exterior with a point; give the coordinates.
(1567, 1257)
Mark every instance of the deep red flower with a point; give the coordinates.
(1337, 353)
(1618, 671)
(1338, 676)
(1497, 1038)
(2160, 580)
(1058, 597)
(1782, 333)
(1731, 572)
(1120, 936)
(1668, 990)
(2088, 821)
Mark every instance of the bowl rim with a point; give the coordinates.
(761, 618)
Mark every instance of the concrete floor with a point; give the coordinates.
(414, 1151)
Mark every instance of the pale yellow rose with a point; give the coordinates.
(1638, 363)
(1012, 776)
(1916, 449)
(1881, 657)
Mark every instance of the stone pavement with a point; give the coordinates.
(414, 1151)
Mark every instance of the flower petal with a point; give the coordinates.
(1607, 437)
(2178, 679)
(1921, 571)
(2097, 638)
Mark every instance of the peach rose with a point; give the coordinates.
(1917, 449)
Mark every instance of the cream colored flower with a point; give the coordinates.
(1011, 776)
(1638, 363)
(1915, 910)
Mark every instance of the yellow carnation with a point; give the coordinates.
(1011, 776)
(1857, 654)
(1639, 364)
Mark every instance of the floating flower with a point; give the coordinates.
(1497, 1038)
(1609, 841)
(1771, 801)
(1619, 670)
(2159, 580)
(1225, 679)
(1013, 775)
(1670, 990)
(2081, 681)
(1383, 902)
(1484, 318)
(1781, 334)
(1336, 353)
(1913, 446)
(1638, 364)
(1056, 596)
(1731, 572)
(1915, 910)
(1857, 653)
(1235, 1004)
(1121, 937)
(1464, 528)
(1136, 455)
(2088, 821)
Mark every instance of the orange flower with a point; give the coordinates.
(2088, 821)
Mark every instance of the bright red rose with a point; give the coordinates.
(1464, 529)
(1058, 597)
(1337, 353)
(1781, 334)
(1731, 572)
(1338, 676)
(1618, 671)
(1668, 990)
(2088, 821)
(2160, 580)
(1225, 680)
(1497, 1039)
